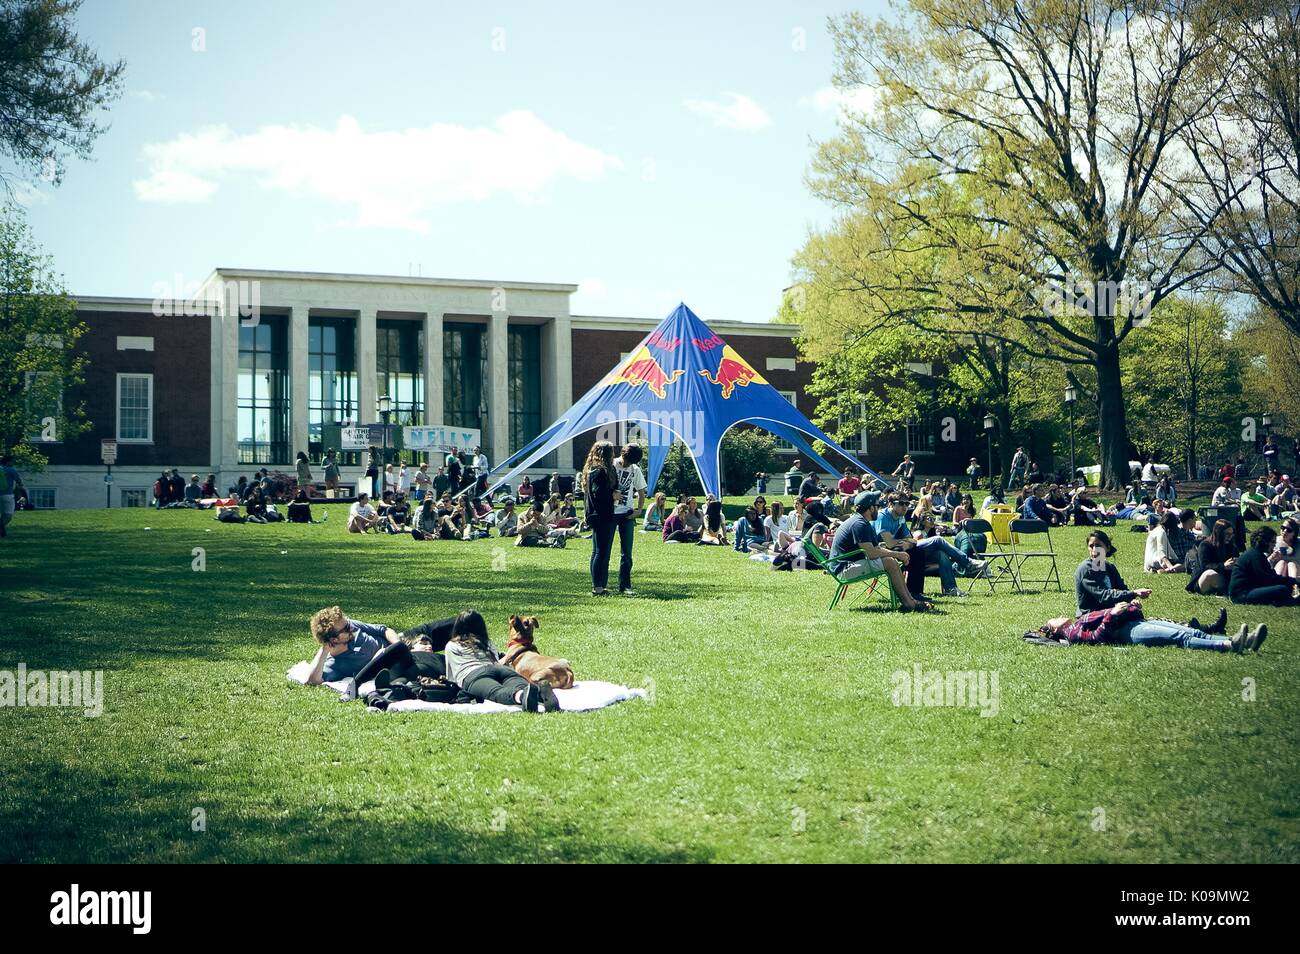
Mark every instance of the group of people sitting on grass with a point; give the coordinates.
(445, 660)
(1268, 498)
(548, 523)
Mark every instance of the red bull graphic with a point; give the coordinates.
(733, 372)
(641, 368)
(707, 344)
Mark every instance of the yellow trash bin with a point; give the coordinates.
(1000, 517)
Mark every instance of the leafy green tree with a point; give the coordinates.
(1011, 173)
(1183, 376)
(39, 328)
(52, 87)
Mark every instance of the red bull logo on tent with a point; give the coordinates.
(641, 368)
(733, 372)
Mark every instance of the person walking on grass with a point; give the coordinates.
(9, 481)
(600, 495)
(631, 498)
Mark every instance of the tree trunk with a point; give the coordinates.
(1115, 473)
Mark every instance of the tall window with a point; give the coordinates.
(525, 385)
(920, 434)
(464, 368)
(399, 363)
(853, 431)
(263, 412)
(791, 396)
(135, 408)
(331, 380)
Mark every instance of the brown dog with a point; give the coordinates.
(522, 656)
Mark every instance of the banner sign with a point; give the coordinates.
(440, 438)
(108, 451)
(356, 438)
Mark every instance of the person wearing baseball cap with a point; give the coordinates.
(856, 551)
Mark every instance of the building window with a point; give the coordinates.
(785, 447)
(135, 496)
(853, 431)
(525, 385)
(135, 408)
(331, 382)
(399, 369)
(42, 498)
(263, 411)
(920, 435)
(464, 368)
(44, 392)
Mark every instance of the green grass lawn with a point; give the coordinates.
(771, 734)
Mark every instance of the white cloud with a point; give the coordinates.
(860, 100)
(147, 95)
(741, 113)
(393, 179)
(27, 193)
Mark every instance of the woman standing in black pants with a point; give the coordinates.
(599, 487)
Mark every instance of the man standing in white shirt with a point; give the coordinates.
(403, 480)
(480, 461)
(631, 487)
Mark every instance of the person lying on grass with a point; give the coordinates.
(857, 551)
(473, 663)
(350, 648)
(1125, 624)
(1097, 583)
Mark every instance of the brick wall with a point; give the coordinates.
(181, 365)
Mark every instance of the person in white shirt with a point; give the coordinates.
(422, 482)
(403, 480)
(776, 523)
(362, 516)
(480, 461)
(1149, 475)
(628, 499)
(1225, 495)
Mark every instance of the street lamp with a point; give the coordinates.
(989, 422)
(1267, 421)
(385, 404)
(1071, 395)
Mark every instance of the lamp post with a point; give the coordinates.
(989, 423)
(385, 404)
(1071, 395)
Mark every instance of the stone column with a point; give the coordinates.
(498, 389)
(561, 388)
(227, 413)
(367, 357)
(433, 396)
(298, 371)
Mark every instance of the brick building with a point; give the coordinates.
(197, 386)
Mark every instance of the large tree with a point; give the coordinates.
(1024, 141)
(39, 328)
(1240, 186)
(52, 88)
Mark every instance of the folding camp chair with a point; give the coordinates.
(873, 580)
(998, 566)
(1023, 550)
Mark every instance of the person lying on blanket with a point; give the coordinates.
(351, 648)
(473, 663)
(1125, 624)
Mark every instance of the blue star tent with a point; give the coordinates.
(682, 382)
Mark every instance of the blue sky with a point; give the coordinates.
(652, 154)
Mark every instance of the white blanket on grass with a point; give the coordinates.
(584, 696)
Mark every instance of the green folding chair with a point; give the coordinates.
(872, 580)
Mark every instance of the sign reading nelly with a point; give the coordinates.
(437, 437)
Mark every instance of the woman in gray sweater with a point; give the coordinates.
(1097, 583)
(473, 663)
